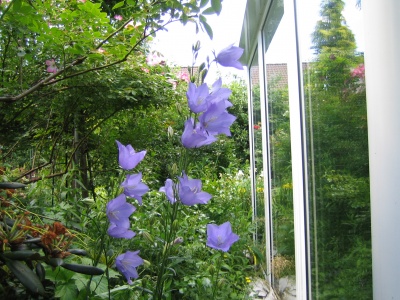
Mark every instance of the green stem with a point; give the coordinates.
(170, 232)
(171, 228)
(219, 262)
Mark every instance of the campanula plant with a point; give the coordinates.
(208, 118)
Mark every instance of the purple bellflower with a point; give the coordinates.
(221, 237)
(120, 231)
(133, 187)
(118, 211)
(127, 263)
(128, 158)
(218, 93)
(168, 190)
(216, 120)
(197, 97)
(229, 57)
(195, 136)
(190, 191)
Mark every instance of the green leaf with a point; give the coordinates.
(88, 270)
(209, 11)
(26, 276)
(67, 290)
(16, 5)
(11, 185)
(203, 3)
(59, 275)
(217, 6)
(55, 261)
(184, 18)
(118, 5)
(22, 255)
(192, 7)
(206, 27)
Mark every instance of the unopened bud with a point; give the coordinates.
(147, 236)
(202, 67)
(146, 263)
(197, 46)
(203, 74)
(174, 168)
(178, 108)
(178, 240)
(170, 132)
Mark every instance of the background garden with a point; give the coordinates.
(78, 75)
(75, 77)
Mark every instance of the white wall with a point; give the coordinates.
(382, 61)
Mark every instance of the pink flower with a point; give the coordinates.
(51, 66)
(154, 59)
(145, 70)
(359, 72)
(183, 76)
(173, 83)
(118, 17)
(101, 50)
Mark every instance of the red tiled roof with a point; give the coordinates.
(276, 74)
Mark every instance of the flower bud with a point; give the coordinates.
(174, 168)
(147, 236)
(146, 263)
(170, 132)
(196, 47)
(178, 240)
(178, 108)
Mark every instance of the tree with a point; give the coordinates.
(338, 164)
(334, 43)
(68, 66)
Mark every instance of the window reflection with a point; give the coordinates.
(258, 196)
(281, 196)
(335, 105)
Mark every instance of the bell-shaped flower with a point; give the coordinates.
(190, 191)
(194, 136)
(229, 57)
(221, 237)
(118, 211)
(120, 231)
(134, 187)
(197, 97)
(218, 93)
(216, 120)
(168, 190)
(128, 158)
(127, 263)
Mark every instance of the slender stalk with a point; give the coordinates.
(219, 262)
(168, 243)
(171, 228)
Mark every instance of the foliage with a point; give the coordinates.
(339, 168)
(76, 76)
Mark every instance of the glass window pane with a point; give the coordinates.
(337, 146)
(258, 196)
(280, 171)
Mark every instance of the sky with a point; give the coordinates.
(176, 43)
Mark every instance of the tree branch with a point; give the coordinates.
(51, 79)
